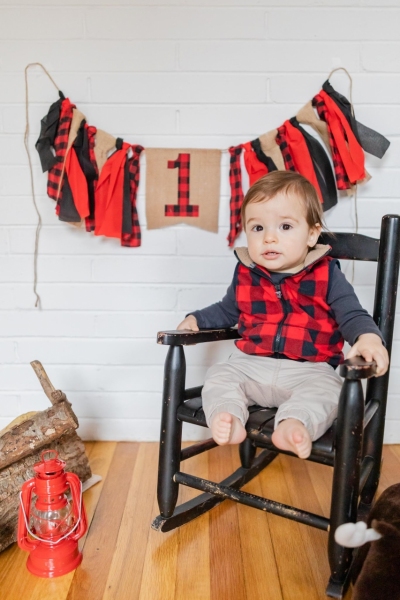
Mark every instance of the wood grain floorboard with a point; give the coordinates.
(90, 580)
(160, 564)
(390, 468)
(231, 553)
(395, 450)
(294, 567)
(226, 565)
(303, 495)
(321, 480)
(258, 555)
(125, 575)
(193, 558)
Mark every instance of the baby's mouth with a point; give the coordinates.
(271, 254)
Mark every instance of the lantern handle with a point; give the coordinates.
(61, 538)
(49, 451)
(25, 498)
(75, 485)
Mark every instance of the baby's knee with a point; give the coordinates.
(222, 371)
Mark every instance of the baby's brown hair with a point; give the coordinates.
(286, 181)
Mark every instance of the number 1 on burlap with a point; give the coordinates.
(183, 208)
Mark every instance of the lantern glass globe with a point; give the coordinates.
(51, 522)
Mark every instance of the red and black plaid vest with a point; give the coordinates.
(55, 175)
(292, 319)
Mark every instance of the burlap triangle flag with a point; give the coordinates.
(182, 186)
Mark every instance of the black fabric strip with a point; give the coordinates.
(68, 212)
(126, 203)
(118, 143)
(81, 145)
(344, 105)
(322, 167)
(48, 131)
(262, 157)
(371, 141)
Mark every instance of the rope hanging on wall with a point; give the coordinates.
(352, 112)
(356, 185)
(26, 143)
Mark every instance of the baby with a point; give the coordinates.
(294, 309)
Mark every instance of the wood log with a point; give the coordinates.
(42, 428)
(53, 395)
(22, 443)
(69, 447)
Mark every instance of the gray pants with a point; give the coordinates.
(305, 391)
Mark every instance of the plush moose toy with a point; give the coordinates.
(377, 565)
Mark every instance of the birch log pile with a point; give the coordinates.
(22, 443)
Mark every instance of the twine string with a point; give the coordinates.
(350, 84)
(356, 185)
(26, 143)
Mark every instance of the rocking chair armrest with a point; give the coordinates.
(185, 337)
(357, 368)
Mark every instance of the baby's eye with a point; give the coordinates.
(257, 228)
(286, 226)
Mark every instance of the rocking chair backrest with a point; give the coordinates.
(351, 246)
(386, 252)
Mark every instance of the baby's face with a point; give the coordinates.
(278, 235)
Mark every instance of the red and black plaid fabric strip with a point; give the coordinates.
(302, 315)
(283, 145)
(54, 183)
(91, 134)
(135, 237)
(342, 180)
(236, 201)
(183, 208)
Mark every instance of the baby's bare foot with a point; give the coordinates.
(227, 429)
(293, 436)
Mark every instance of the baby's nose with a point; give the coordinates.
(269, 235)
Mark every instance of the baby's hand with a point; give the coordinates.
(189, 323)
(370, 347)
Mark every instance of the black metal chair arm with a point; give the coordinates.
(186, 337)
(357, 368)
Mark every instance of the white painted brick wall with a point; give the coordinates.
(172, 73)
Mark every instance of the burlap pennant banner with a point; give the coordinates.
(182, 186)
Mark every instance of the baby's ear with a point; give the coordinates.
(314, 235)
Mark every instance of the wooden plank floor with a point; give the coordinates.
(232, 553)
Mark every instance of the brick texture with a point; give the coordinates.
(165, 73)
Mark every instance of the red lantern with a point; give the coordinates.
(54, 523)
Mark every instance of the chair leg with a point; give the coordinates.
(247, 451)
(171, 430)
(184, 513)
(346, 478)
(373, 440)
(367, 494)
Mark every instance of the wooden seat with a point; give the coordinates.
(353, 445)
(259, 427)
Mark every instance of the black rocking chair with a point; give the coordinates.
(353, 445)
